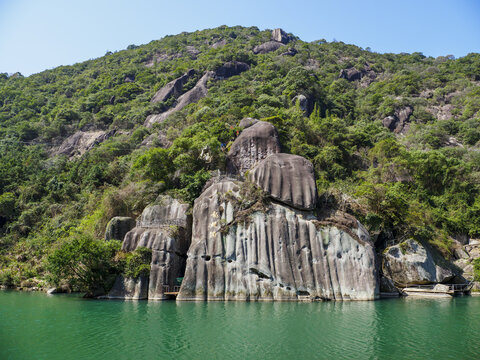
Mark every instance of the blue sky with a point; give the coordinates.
(37, 35)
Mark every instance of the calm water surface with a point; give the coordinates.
(38, 326)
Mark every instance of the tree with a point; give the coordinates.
(85, 263)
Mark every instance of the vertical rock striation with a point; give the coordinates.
(287, 178)
(276, 253)
(164, 228)
(254, 144)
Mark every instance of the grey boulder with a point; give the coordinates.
(254, 144)
(173, 88)
(413, 263)
(399, 121)
(267, 47)
(281, 36)
(118, 227)
(230, 69)
(287, 178)
(198, 92)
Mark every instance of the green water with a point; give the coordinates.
(38, 326)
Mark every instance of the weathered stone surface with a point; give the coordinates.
(399, 122)
(156, 140)
(274, 254)
(414, 263)
(387, 286)
(351, 74)
(287, 178)
(302, 102)
(280, 36)
(164, 227)
(129, 289)
(118, 227)
(247, 122)
(230, 69)
(254, 144)
(290, 52)
(173, 88)
(80, 142)
(198, 92)
(267, 47)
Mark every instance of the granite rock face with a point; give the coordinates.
(198, 92)
(230, 69)
(351, 74)
(118, 227)
(165, 228)
(247, 122)
(82, 141)
(287, 178)
(413, 263)
(254, 144)
(173, 88)
(302, 102)
(267, 47)
(281, 36)
(276, 253)
(399, 121)
(129, 289)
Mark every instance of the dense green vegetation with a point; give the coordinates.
(423, 183)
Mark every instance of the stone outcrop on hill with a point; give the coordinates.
(267, 47)
(198, 92)
(230, 69)
(275, 253)
(118, 227)
(254, 144)
(166, 229)
(173, 88)
(413, 263)
(81, 142)
(399, 121)
(280, 36)
(287, 178)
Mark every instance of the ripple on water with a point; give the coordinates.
(36, 326)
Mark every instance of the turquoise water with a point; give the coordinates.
(38, 326)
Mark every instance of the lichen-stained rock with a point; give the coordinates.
(399, 121)
(164, 227)
(254, 144)
(287, 178)
(247, 122)
(118, 227)
(230, 69)
(129, 288)
(281, 36)
(267, 47)
(82, 141)
(274, 254)
(413, 263)
(198, 92)
(173, 88)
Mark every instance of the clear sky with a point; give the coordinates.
(40, 34)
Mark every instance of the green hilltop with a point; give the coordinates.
(394, 138)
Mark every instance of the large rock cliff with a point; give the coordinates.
(273, 252)
(164, 228)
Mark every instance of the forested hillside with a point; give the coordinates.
(394, 138)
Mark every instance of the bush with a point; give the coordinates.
(85, 263)
(137, 263)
